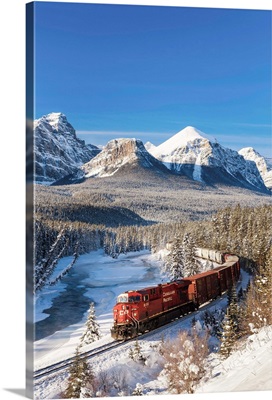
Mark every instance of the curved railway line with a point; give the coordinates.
(64, 364)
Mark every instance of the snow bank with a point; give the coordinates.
(248, 368)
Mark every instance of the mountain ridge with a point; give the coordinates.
(62, 158)
(58, 151)
(263, 164)
(119, 154)
(191, 153)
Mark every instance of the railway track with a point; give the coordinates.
(66, 363)
(62, 365)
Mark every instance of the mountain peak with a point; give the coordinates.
(248, 150)
(149, 146)
(180, 139)
(189, 133)
(119, 153)
(263, 164)
(58, 150)
(193, 153)
(57, 121)
(53, 117)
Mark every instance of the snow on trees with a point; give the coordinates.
(67, 269)
(181, 261)
(136, 354)
(188, 252)
(174, 261)
(258, 302)
(185, 361)
(138, 391)
(213, 320)
(46, 266)
(228, 335)
(91, 332)
(81, 379)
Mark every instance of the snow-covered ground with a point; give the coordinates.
(103, 278)
(248, 368)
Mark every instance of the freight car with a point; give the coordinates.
(138, 311)
(211, 255)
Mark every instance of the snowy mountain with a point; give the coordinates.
(180, 139)
(192, 153)
(121, 155)
(264, 165)
(150, 146)
(58, 151)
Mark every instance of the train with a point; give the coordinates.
(139, 311)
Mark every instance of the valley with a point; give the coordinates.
(126, 199)
(152, 198)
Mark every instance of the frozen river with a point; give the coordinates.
(61, 310)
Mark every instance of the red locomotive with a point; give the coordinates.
(138, 311)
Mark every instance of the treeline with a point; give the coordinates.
(244, 231)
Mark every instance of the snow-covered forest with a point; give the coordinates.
(188, 359)
(243, 231)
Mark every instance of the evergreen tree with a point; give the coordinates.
(136, 353)
(193, 322)
(240, 294)
(174, 261)
(190, 266)
(92, 328)
(228, 335)
(234, 309)
(138, 391)
(80, 379)
(131, 353)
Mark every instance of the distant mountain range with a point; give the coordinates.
(189, 152)
(263, 164)
(58, 151)
(60, 157)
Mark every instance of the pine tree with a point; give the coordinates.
(131, 353)
(228, 335)
(240, 294)
(234, 310)
(174, 262)
(136, 353)
(138, 391)
(190, 266)
(80, 379)
(92, 328)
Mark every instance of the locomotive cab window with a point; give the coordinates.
(134, 299)
(146, 297)
(123, 298)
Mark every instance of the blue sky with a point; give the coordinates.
(147, 72)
